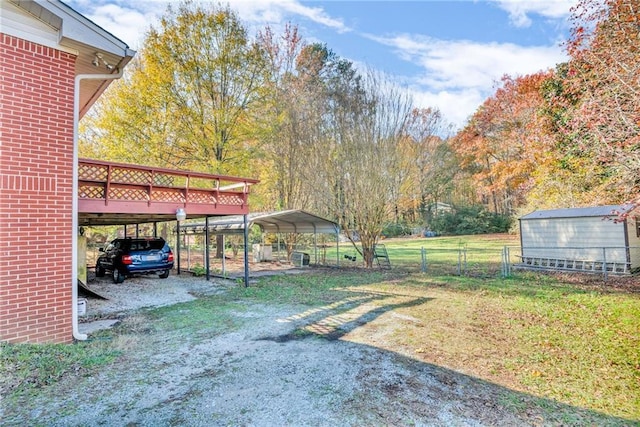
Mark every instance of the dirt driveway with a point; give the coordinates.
(264, 372)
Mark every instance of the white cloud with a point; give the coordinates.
(129, 20)
(277, 11)
(127, 23)
(458, 75)
(456, 106)
(519, 10)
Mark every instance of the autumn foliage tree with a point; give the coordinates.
(569, 175)
(504, 142)
(367, 154)
(292, 117)
(567, 137)
(428, 163)
(603, 78)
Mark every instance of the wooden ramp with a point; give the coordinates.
(84, 289)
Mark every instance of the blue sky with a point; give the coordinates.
(449, 54)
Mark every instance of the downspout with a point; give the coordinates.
(74, 198)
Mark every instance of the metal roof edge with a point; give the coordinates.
(80, 23)
(589, 211)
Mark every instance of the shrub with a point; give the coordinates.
(396, 229)
(470, 220)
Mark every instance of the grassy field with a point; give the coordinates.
(478, 255)
(565, 347)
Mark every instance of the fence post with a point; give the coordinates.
(459, 261)
(465, 261)
(506, 265)
(604, 263)
(423, 251)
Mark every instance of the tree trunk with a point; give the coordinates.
(219, 245)
(367, 254)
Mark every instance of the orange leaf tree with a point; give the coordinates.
(505, 140)
(604, 77)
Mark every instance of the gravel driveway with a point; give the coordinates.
(261, 374)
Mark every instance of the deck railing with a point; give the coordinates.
(106, 187)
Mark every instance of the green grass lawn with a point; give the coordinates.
(565, 347)
(478, 255)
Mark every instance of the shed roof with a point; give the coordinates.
(592, 211)
(289, 221)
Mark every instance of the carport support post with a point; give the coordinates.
(224, 257)
(315, 244)
(206, 246)
(178, 246)
(246, 250)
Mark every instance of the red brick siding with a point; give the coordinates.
(36, 167)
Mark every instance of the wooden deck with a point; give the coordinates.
(116, 193)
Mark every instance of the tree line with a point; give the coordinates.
(349, 144)
(569, 136)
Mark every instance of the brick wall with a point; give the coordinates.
(36, 161)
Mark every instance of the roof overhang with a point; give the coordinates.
(54, 24)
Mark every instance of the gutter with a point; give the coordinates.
(74, 199)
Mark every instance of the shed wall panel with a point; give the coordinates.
(633, 237)
(574, 238)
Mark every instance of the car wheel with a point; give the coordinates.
(165, 274)
(99, 271)
(118, 277)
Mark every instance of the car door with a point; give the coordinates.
(111, 253)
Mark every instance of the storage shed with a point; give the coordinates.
(582, 239)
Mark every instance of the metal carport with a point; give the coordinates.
(288, 221)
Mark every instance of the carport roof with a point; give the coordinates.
(289, 221)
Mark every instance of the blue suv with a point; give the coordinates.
(125, 257)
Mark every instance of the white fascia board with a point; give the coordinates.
(21, 22)
(76, 28)
(73, 28)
